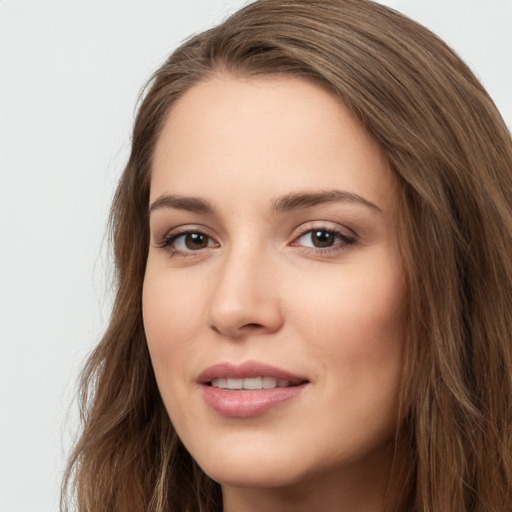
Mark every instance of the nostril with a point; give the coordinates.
(253, 326)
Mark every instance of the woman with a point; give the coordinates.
(312, 237)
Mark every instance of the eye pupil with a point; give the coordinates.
(322, 238)
(196, 241)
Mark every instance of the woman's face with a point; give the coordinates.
(273, 266)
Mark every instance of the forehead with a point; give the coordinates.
(273, 134)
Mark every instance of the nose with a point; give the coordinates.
(245, 299)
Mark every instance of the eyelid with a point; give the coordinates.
(346, 240)
(182, 230)
(346, 237)
(322, 224)
(167, 241)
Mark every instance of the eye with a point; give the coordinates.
(323, 238)
(186, 242)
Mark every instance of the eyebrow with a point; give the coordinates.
(300, 200)
(191, 204)
(289, 202)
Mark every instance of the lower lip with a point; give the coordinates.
(248, 403)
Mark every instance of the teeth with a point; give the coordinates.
(251, 383)
(269, 382)
(220, 383)
(235, 383)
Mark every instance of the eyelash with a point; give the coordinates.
(346, 241)
(168, 241)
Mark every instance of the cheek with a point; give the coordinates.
(361, 347)
(171, 321)
(355, 326)
(354, 304)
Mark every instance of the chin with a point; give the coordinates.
(257, 464)
(285, 460)
(253, 474)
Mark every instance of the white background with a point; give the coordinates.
(70, 73)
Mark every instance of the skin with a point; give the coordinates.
(260, 289)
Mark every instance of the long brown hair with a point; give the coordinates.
(452, 153)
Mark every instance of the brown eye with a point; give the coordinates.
(189, 242)
(322, 238)
(195, 241)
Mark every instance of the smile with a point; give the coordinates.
(248, 389)
(251, 383)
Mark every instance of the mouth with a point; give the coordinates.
(248, 389)
(249, 375)
(252, 383)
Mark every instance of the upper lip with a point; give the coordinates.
(245, 370)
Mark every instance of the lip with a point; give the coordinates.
(248, 403)
(247, 370)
